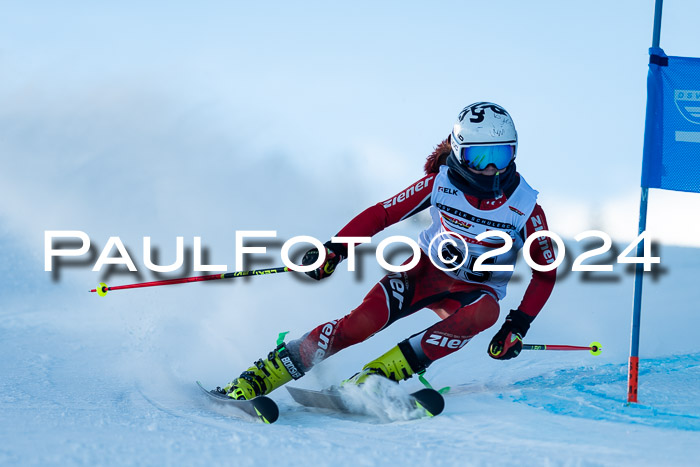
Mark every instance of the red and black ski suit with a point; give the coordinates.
(466, 309)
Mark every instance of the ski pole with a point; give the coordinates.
(595, 348)
(102, 288)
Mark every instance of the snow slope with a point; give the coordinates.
(111, 381)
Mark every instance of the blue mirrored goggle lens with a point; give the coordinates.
(479, 157)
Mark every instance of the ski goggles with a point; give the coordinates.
(478, 157)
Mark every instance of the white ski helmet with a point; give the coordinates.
(484, 134)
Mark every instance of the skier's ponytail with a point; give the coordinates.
(438, 157)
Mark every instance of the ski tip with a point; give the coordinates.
(266, 409)
(429, 400)
(427, 412)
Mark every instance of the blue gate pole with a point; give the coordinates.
(633, 375)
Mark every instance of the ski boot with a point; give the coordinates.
(264, 376)
(398, 364)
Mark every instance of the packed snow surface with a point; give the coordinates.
(89, 380)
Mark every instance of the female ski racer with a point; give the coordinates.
(471, 186)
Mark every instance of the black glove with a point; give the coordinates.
(508, 341)
(334, 255)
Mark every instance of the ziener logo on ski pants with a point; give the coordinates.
(324, 339)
